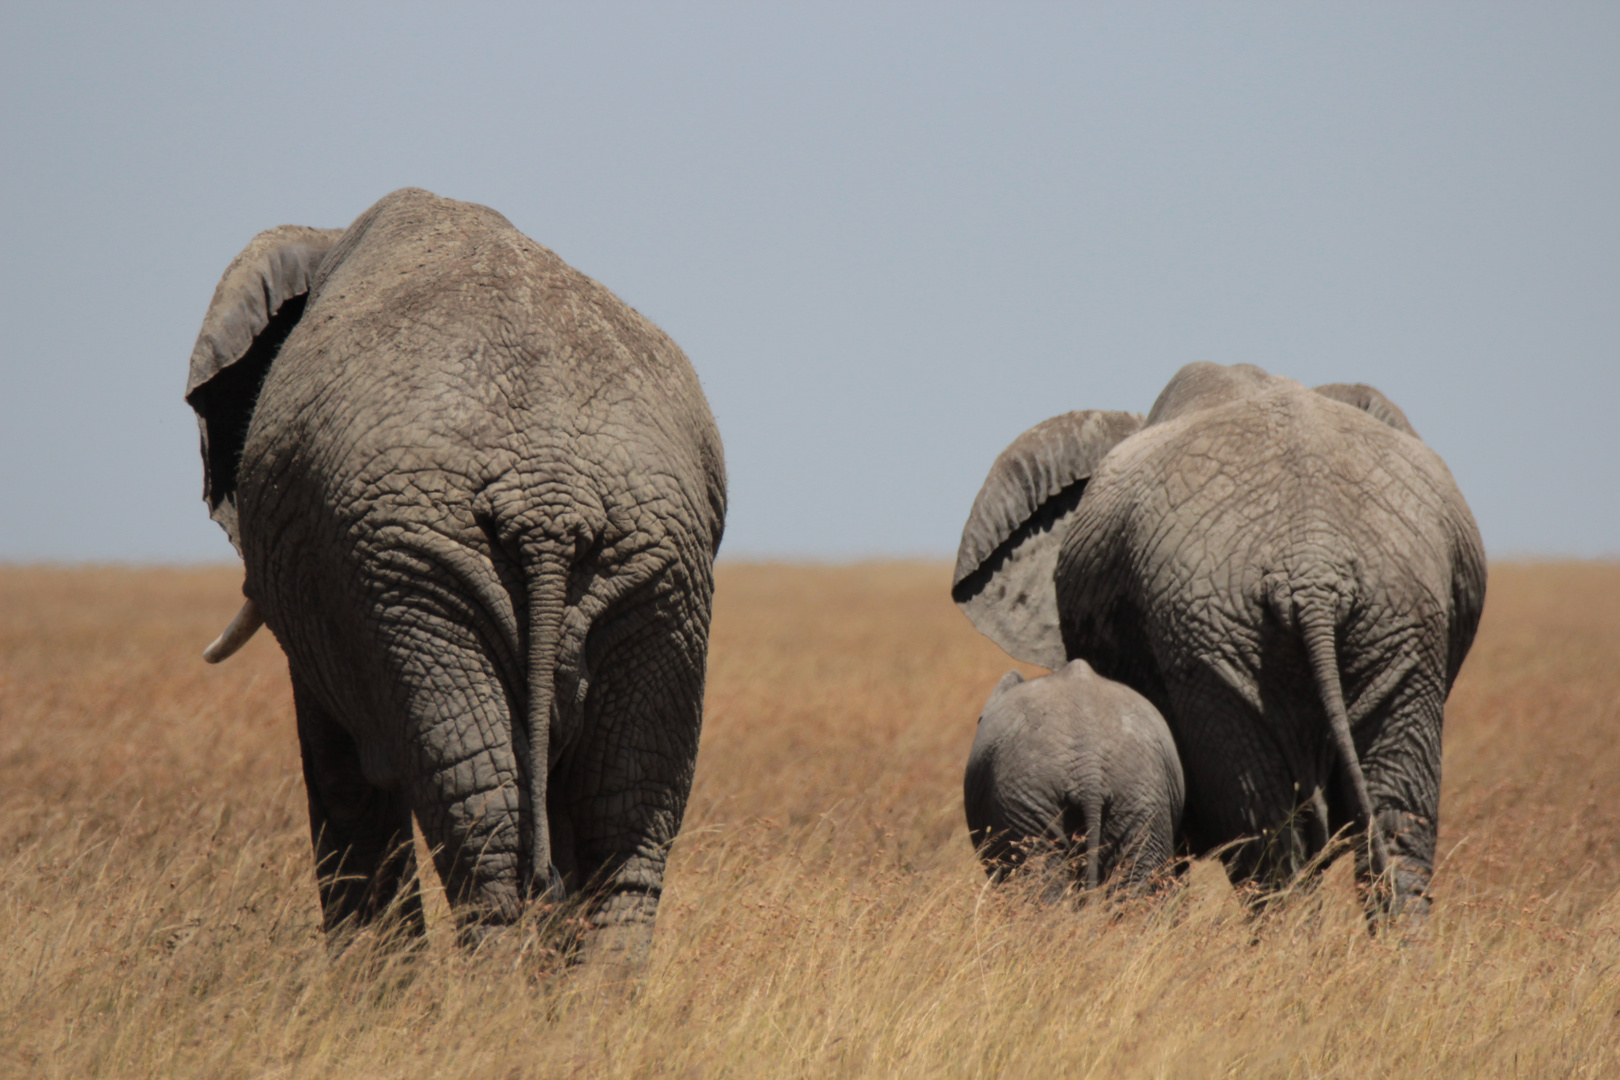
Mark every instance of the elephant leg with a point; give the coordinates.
(466, 777)
(1140, 839)
(365, 858)
(626, 780)
(1241, 783)
(1401, 760)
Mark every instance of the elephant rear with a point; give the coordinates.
(1074, 770)
(1213, 546)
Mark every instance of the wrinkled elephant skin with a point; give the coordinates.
(1072, 757)
(478, 499)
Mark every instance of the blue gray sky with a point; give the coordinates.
(890, 236)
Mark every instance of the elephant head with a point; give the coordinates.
(1290, 576)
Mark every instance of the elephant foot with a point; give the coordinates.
(609, 964)
(615, 941)
(1406, 900)
(1398, 900)
(486, 918)
(481, 935)
(547, 938)
(621, 948)
(1401, 894)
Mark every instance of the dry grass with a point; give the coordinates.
(824, 916)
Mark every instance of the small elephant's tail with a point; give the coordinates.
(1314, 611)
(1093, 842)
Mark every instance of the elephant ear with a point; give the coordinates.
(259, 300)
(1004, 566)
(1371, 402)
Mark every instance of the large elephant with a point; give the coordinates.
(1291, 577)
(478, 499)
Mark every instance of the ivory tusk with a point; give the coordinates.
(246, 623)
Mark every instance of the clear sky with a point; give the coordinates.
(890, 237)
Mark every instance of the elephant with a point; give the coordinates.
(1290, 576)
(477, 498)
(1077, 766)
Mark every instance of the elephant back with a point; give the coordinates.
(438, 340)
(1370, 401)
(1190, 527)
(1203, 385)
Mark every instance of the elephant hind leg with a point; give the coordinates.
(365, 858)
(1402, 762)
(625, 781)
(465, 778)
(1242, 792)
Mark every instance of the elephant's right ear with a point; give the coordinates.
(1371, 402)
(259, 300)
(1004, 567)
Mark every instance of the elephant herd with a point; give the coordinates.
(478, 499)
(1284, 580)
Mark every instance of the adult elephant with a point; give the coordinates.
(478, 499)
(1290, 576)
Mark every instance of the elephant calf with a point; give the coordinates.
(1072, 755)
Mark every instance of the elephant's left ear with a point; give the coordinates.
(1004, 566)
(258, 301)
(1371, 402)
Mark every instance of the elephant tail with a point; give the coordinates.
(1318, 627)
(547, 588)
(1093, 842)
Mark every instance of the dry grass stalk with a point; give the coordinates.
(824, 915)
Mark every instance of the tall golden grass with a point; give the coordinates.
(824, 914)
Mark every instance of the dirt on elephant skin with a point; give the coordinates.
(824, 915)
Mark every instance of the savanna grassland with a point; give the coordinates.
(824, 915)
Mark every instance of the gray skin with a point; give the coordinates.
(478, 499)
(1076, 766)
(1290, 576)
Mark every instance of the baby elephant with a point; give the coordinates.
(1071, 755)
